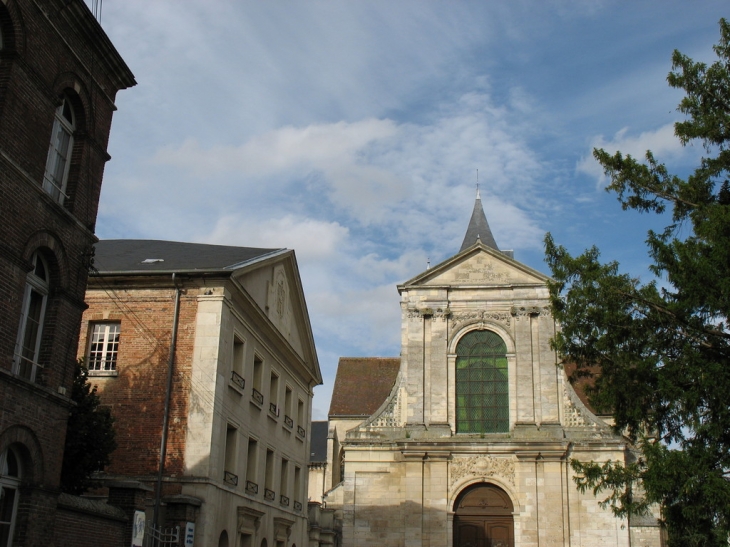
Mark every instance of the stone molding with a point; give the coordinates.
(481, 466)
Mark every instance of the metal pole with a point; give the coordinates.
(166, 415)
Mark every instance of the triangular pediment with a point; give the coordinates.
(477, 266)
(275, 287)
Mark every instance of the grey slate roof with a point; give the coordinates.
(478, 228)
(318, 442)
(129, 255)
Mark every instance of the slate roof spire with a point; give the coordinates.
(478, 228)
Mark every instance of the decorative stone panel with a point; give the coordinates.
(388, 415)
(481, 466)
(459, 319)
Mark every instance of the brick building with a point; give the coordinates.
(231, 324)
(59, 75)
(466, 438)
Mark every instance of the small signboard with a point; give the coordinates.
(138, 529)
(189, 534)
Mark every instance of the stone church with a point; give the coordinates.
(466, 439)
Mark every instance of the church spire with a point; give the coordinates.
(478, 229)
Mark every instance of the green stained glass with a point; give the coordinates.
(482, 401)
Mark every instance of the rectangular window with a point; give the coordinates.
(103, 346)
(288, 408)
(301, 418)
(297, 494)
(283, 482)
(274, 394)
(229, 464)
(252, 486)
(257, 395)
(237, 363)
(269, 493)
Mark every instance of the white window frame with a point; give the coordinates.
(107, 336)
(58, 163)
(10, 483)
(26, 363)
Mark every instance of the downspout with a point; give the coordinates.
(166, 414)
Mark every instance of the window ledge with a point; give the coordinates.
(235, 387)
(102, 373)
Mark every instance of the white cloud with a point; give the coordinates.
(318, 146)
(312, 240)
(662, 142)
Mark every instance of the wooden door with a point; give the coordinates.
(484, 532)
(483, 518)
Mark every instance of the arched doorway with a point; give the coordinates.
(483, 518)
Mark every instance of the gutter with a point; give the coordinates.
(166, 414)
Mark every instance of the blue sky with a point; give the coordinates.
(351, 132)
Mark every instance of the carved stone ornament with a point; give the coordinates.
(481, 466)
(436, 313)
(480, 315)
(521, 312)
(248, 520)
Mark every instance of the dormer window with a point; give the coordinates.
(59, 152)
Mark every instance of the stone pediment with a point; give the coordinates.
(479, 265)
(275, 287)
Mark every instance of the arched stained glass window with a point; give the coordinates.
(482, 399)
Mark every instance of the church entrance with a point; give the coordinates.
(483, 518)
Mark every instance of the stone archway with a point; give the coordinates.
(483, 517)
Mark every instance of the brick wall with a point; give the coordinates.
(136, 395)
(51, 48)
(82, 522)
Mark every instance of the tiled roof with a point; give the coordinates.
(581, 383)
(150, 255)
(362, 385)
(318, 442)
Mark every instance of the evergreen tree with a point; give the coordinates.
(663, 347)
(89, 436)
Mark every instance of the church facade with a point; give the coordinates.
(471, 442)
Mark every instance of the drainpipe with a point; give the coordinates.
(166, 414)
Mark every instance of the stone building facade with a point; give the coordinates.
(470, 444)
(228, 328)
(59, 75)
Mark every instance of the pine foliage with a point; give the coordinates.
(90, 437)
(663, 346)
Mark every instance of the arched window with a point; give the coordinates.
(59, 152)
(482, 392)
(11, 473)
(31, 321)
